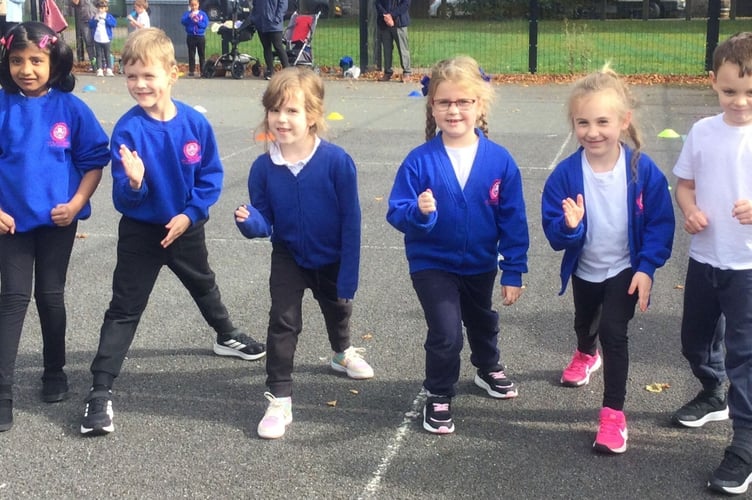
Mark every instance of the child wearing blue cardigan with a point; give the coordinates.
(458, 200)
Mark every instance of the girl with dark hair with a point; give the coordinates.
(52, 151)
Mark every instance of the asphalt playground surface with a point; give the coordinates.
(185, 419)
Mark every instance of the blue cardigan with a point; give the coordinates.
(473, 229)
(314, 215)
(649, 208)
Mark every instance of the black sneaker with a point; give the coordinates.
(734, 474)
(437, 415)
(240, 345)
(706, 407)
(6, 414)
(98, 414)
(496, 383)
(54, 387)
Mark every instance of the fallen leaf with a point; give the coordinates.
(657, 387)
(82, 236)
(379, 198)
(679, 287)
(367, 336)
(332, 403)
(354, 391)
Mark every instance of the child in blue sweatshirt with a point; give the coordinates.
(101, 26)
(304, 193)
(611, 247)
(52, 151)
(166, 174)
(458, 199)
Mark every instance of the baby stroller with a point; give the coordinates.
(298, 38)
(232, 32)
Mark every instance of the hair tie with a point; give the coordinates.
(5, 42)
(424, 84)
(486, 78)
(47, 40)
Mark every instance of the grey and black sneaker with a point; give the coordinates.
(707, 406)
(98, 414)
(734, 474)
(437, 415)
(54, 386)
(240, 345)
(495, 382)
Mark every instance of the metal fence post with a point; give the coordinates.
(363, 17)
(712, 32)
(533, 38)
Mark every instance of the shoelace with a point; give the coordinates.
(497, 375)
(610, 428)
(276, 407)
(97, 405)
(353, 353)
(440, 407)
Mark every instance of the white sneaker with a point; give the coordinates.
(108, 72)
(351, 362)
(100, 72)
(278, 416)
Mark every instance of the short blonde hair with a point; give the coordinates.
(149, 45)
(287, 82)
(141, 3)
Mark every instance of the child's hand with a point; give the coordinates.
(63, 214)
(175, 228)
(242, 213)
(641, 283)
(133, 166)
(510, 294)
(695, 221)
(7, 223)
(743, 211)
(574, 211)
(426, 202)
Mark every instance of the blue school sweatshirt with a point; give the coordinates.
(183, 172)
(314, 215)
(473, 229)
(47, 145)
(650, 214)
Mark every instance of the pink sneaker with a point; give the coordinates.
(577, 372)
(612, 432)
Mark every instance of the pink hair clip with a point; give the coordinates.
(47, 40)
(5, 42)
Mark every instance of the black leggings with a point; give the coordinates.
(196, 43)
(269, 40)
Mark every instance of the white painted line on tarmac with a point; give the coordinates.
(374, 486)
(559, 153)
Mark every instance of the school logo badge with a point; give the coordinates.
(192, 152)
(59, 134)
(493, 193)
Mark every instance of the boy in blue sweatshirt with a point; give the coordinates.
(166, 174)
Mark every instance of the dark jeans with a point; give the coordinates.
(42, 256)
(603, 311)
(450, 300)
(140, 258)
(196, 44)
(708, 293)
(269, 40)
(84, 40)
(287, 283)
(103, 55)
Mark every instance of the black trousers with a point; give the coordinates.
(287, 283)
(140, 258)
(269, 40)
(196, 44)
(40, 256)
(450, 300)
(602, 311)
(708, 293)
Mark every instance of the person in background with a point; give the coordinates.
(393, 18)
(14, 12)
(139, 18)
(268, 18)
(101, 26)
(195, 22)
(83, 10)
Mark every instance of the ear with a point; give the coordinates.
(713, 78)
(627, 120)
(173, 74)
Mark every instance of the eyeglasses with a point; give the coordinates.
(445, 104)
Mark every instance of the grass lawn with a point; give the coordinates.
(665, 47)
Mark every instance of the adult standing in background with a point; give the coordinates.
(393, 18)
(83, 10)
(268, 18)
(14, 10)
